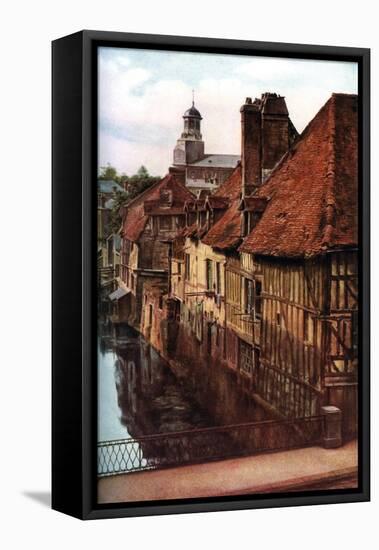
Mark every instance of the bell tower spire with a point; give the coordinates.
(190, 146)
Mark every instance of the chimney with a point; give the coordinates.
(275, 131)
(250, 146)
(267, 133)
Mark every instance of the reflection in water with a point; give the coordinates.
(138, 393)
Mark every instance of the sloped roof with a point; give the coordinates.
(253, 204)
(134, 220)
(226, 232)
(217, 202)
(218, 161)
(313, 192)
(108, 186)
(231, 188)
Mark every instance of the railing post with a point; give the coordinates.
(332, 434)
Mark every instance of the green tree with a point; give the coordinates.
(109, 172)
(133, 185)
(115, 220)
(139, 182)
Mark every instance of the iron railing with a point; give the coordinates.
(170, 449)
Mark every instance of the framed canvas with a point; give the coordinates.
(210, 275)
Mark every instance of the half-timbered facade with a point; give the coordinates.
(303, 253)
(150, 223)
(213, 290)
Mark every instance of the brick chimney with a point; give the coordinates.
(275, 131)
(266, 135)
(250, 146)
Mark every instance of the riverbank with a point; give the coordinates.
(295, 470)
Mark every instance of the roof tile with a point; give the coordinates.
(313, 192)
(135, 219)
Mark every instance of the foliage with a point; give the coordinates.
(139, 182)
(133, 186)
(109, 172)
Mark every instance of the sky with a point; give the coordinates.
(144, 93)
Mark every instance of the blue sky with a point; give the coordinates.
(143, 94)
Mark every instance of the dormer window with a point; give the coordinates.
(208, 218)
(247, 226)
(166, 197)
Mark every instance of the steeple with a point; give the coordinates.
(192, 119)
(190, 147)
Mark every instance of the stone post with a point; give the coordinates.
(332, 426)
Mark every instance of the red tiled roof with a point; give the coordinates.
(253, 204)
(217, 203)
(134, 220)
(226, 232)
(231, 188)
(313, 191)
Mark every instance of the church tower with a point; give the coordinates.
(190, 146)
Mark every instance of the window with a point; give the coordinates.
(161, 302)
(218, 277)
(258, 299)
(166, 197)
(248, 219)
(249, 296)
(179, 266)
(249, 358)
(245, 357)
(209, 273)
(165, 223)
(246, 223)
(187, 267)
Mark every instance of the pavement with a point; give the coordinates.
(273, 472)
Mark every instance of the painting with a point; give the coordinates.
(227, 254)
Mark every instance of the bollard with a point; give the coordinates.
(332, 426)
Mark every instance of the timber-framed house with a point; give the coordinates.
(302, 252)
(149, 224)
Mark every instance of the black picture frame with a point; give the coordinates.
(74, 151)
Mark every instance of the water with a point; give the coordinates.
(138, 394)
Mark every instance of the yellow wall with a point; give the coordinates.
(197, 282)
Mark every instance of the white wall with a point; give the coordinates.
(26, 31)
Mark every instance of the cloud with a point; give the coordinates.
(295, 72)
(143, 94)
(129, 156)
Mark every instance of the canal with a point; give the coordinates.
(138, 394)
(141, 396)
